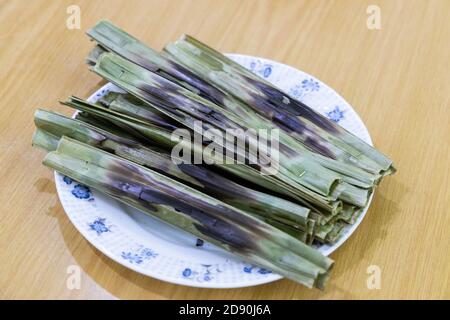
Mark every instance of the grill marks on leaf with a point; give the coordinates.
(213, 221)
(292, 106)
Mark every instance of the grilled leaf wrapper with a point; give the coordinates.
(198, 76)
(262, 205)
(193, 211)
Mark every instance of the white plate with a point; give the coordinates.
(158, 250)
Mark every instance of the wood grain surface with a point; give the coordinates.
(397, 78)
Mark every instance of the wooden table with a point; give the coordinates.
(397, 78)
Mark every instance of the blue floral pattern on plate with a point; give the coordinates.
(132, 257)
(336, 114)
(67, 180)
(99, 226)
(302, 89)
(139, 255)
(206, 272)
(255, 269)
(262, 69)
(310, 85)
(81, 192)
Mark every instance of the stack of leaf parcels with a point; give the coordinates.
(122, 146)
